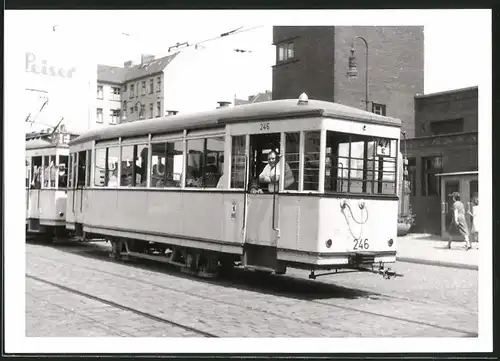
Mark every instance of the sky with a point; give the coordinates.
(450, 47)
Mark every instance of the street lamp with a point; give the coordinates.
(352, 72)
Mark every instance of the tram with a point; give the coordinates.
(46, 183)
(293, 183)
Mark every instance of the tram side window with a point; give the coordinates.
(82, 168)
(36, 172)
(205, 162)
(360, 164)
(89, 165)
(312, 144)
(166, 161)
(292, 151)
(49, 171)
(106, 167)
(71, 170)
(63, 171)
(134, 166)
(238, 162)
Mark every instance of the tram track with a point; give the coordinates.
(465, 332)
(122, 307)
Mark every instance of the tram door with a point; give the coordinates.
(262, 201)
(78, 193)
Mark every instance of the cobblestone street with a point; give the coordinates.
(78, 291)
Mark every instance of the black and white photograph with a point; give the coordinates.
(246, 181)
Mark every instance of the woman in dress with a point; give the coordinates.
(474, 214)
(458, 224)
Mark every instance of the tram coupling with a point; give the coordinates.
(386, 273)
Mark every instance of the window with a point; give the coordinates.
(115, 116)
(447, 126)
(89, 165)
(292, 151)
(379, 109)
(151, 110)
(125, 88)
(166, 161)
(116, 91)
(142, 111)
(360, 164)
(238, 162)
(151, 86)
(36, 172)
(412, 175)
(106, 167)
(82, 169)
(144, 88)
(134, 167)
(131, 94)
(286, 51)
(158, 84)
(98, 115)
(205, 160)
(72, 170)
(49, 171)
(430, 167)
(99, 92)
(124, 108)
(312, 146)
(131, 110)
(63, 171)
(158, 109)
(28, 171)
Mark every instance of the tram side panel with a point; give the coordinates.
(207, 220)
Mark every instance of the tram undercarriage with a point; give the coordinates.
(210, 264)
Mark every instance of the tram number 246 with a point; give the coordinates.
(360, 244)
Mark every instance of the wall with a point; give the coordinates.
(395, 71)
(311, 70)
(109, 102)
(462, 103)
(147, 99)
(459, 154)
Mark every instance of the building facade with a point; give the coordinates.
(315, 60)
(446, 142)
(187, 81)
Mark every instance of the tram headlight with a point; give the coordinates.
(61, 214)
(390, 242)
(328, 243)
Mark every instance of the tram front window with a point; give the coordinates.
(36, 172)
(63, 172)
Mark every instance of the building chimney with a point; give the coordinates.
(223, 104)
(128, 64)
(146, 58)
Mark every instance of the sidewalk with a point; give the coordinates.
(431, 249)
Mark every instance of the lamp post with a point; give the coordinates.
(352, 72)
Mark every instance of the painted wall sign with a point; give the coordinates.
(37, 66)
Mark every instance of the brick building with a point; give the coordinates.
(314, 59)
(446, 129)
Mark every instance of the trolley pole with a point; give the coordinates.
(352, 72)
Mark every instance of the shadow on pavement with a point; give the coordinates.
(278, 285)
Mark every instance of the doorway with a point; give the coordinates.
(465, 183)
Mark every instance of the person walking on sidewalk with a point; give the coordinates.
(458, 223)
(474, 215)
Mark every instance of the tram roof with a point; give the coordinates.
(39, 143)
(271, 110)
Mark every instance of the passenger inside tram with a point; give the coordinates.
(272, 173)
(36, 173)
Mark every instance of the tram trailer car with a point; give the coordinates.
(185, 189)
(46, 188)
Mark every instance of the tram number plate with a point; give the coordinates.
(360, 244)
(264, 126)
